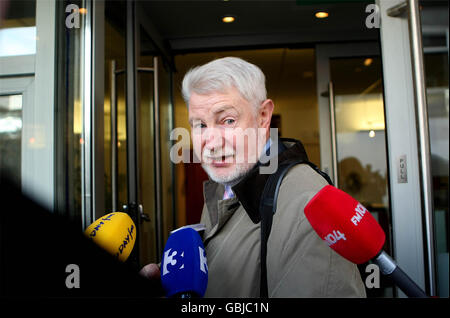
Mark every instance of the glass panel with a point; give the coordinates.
(115, 51)
(146, 149)
(18, 29)
(166, 126)
(17, 37)
(122, 174)
(69, 113)
(361, 140)
(11, 137)
(435, 40)
(146, 161)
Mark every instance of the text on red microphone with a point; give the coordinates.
(360, 211)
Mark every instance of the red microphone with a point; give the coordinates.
(349, 229)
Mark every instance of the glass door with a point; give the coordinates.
(17, 68)
(138, 178)
(155, 170)
(11, 108)
(26, 97)
(434, 27)
(360, 131)
(355, 107)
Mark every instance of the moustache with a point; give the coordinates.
(218, 154)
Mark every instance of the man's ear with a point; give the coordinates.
(265, 113)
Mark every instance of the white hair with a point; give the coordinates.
(222, 74)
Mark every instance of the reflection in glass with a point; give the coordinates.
(18, 28)
(69, 115)
(17, 41)
(435, 35)
(11, 136)
(148, 173)
(436, 67)
(115, 84)
(361, 140)
(166, 126)
(146, 159)
(360, 130)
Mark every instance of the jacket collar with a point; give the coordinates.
(248, 191)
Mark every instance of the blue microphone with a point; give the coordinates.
(184, 268)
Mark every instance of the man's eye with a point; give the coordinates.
(229, 121)
(198, 124)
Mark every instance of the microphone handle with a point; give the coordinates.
(406, 284)
(185, 295)
(389, 268)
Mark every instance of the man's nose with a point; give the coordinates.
(213, 138)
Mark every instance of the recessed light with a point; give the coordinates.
(368, 61)
(321, 15)
(228, 19)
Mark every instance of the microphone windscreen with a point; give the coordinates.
(345, 225)
(114, 232)
(184, 268)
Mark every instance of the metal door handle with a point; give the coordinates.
(333, 133)
(140, 211)
(143, 216)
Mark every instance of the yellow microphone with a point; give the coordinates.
(115, 233)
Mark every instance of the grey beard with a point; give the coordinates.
(233, 182)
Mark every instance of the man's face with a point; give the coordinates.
(225, 134)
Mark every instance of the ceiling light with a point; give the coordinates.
(321, 15)
(228, 19)
(368, 61)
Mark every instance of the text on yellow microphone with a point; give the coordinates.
(114, 232)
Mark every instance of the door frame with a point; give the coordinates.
(323, 54)
(401, 142)
(411, 201)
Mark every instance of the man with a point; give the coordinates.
(227, 101)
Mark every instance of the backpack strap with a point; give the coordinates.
(268, 206)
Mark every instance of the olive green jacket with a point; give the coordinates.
(299, 262)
